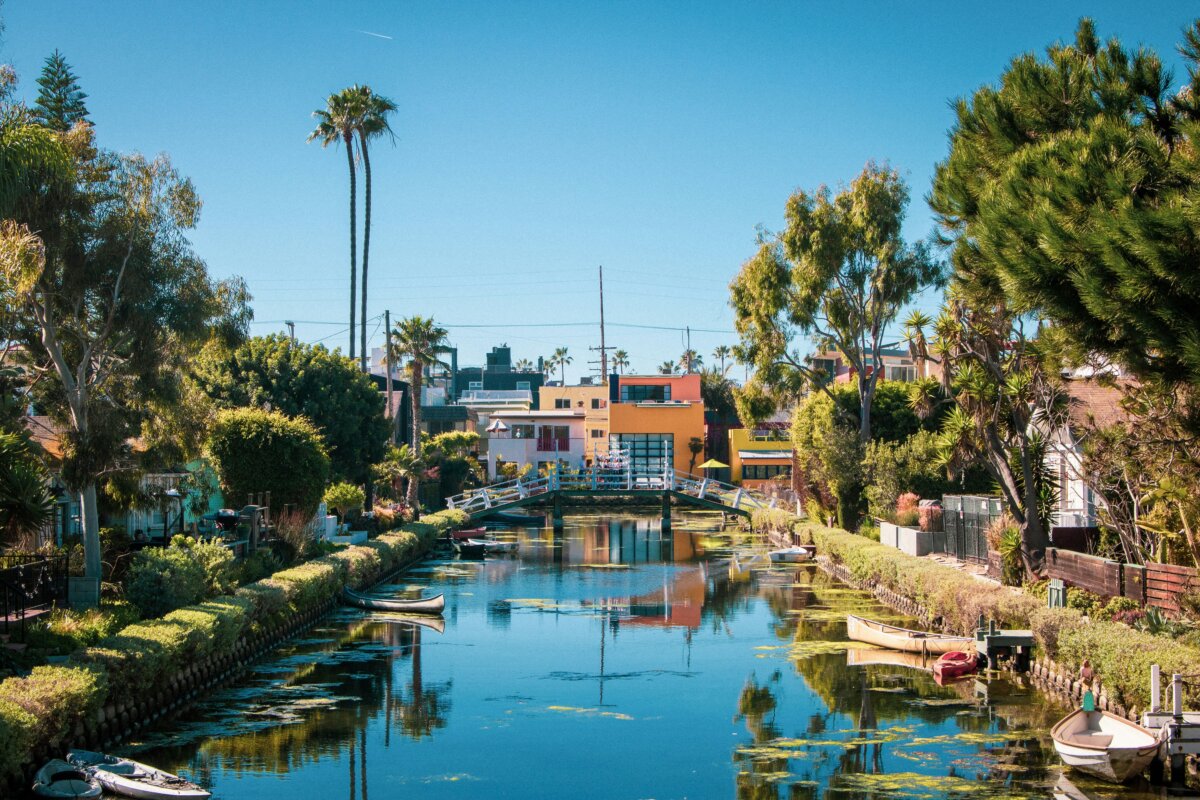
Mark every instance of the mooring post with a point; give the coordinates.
(666, 512)
(1155, 688)
(556, 513)
(1178, 772)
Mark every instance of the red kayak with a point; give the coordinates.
(953, 665)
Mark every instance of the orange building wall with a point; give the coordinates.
(684, 421)
(683, 387)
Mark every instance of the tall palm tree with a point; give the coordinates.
(690, 361)
(421, 341)
(523, 365)
(372, 124)
(561, 359)
(337, 122)
(620, 361)
(666, 368)
(722, 352)
(549, 364)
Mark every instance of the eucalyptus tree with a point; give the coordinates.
(422, 342)
(620, 361)
(839, 274)
(372, 124)
(338, 122)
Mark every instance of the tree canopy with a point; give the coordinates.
(1070, 191)
(306, 380)
(60, 100)
(838, 274)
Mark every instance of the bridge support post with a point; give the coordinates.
(556, 513)
(666, 512)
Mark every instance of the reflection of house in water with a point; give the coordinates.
(678, 604)
(630, 541)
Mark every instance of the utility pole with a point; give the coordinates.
(603, 348)
(688, 351)
(291, 330)
(387, 363)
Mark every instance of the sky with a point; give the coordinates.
(536, 141)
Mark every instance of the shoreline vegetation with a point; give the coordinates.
(63, 705)
(953, 601)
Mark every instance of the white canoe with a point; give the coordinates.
(130, 778)
(1104, 745)
(790, 555)
(861, 629)
(59, 779)
(426, 605)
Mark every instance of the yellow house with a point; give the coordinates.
(655, 417)
(759, 456)
(592, 399)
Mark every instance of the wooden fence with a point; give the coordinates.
(1158, 585)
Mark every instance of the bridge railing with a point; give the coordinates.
(610, 481)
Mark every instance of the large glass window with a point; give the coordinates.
(648, 452)
(554, 438)
(522, 431)
(639, 393)
(762, 472)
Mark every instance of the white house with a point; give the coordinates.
(540, 438)
(1092, 405)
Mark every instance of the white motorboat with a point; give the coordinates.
(1104, 745)
(59, 779)
(130, 778)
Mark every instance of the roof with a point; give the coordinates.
(48, 434)
(763, 455)
(1096, 404)
(447, 413)
(549, 413)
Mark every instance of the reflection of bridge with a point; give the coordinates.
(595, 482)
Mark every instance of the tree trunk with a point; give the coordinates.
(89, 519)
(414, 483)
(349, 140)
(366, 251)
(866, 398)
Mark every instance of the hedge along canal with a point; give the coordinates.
(157, 667)
(615, 661)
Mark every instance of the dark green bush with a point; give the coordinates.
(162, 579)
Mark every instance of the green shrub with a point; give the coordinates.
(344, 498)
(56, 698)
(220, 571)
(1117, 605)
(16, 737)
(67, 631)
(162, 579)
(259, 565)
(1083, 600)
(265, 451)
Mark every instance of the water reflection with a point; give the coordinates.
(612, 660)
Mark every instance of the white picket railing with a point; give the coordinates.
(607, 481)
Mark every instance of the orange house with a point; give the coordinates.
(654, 417)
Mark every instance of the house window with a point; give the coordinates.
(648, 452)
(523, 385)
(475, 384)
(522, 431)
(597, 433)
(827, 367)
(562, 402)
(597, 403)
(764, 472)
(907, 374)
(554, 439)
(639, 393)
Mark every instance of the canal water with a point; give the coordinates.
(613, 661)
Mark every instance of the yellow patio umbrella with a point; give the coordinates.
(712, 463)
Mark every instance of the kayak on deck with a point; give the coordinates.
(861, 629)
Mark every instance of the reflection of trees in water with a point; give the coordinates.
(422, 709)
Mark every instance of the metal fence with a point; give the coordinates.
(965, 519)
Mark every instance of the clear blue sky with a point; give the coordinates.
(535, 140)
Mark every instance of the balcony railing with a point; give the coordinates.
(546, 444)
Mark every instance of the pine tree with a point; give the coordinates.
(60, 100)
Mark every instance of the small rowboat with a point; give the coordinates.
(861, 629)
(791, 555)
(426, 605)
(954, 664)
(1104, 745)
(494, 545)
(469, 549)
(59, 779)
(134, 779)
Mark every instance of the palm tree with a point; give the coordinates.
(421, 341)
(401, 465)
(25, 501)
(549, 364)
(561, 359)
(722, 352)
(523, 365)
(666, 368)
(372, 124)
(620, 361)
(690, 360)
(337, 122)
